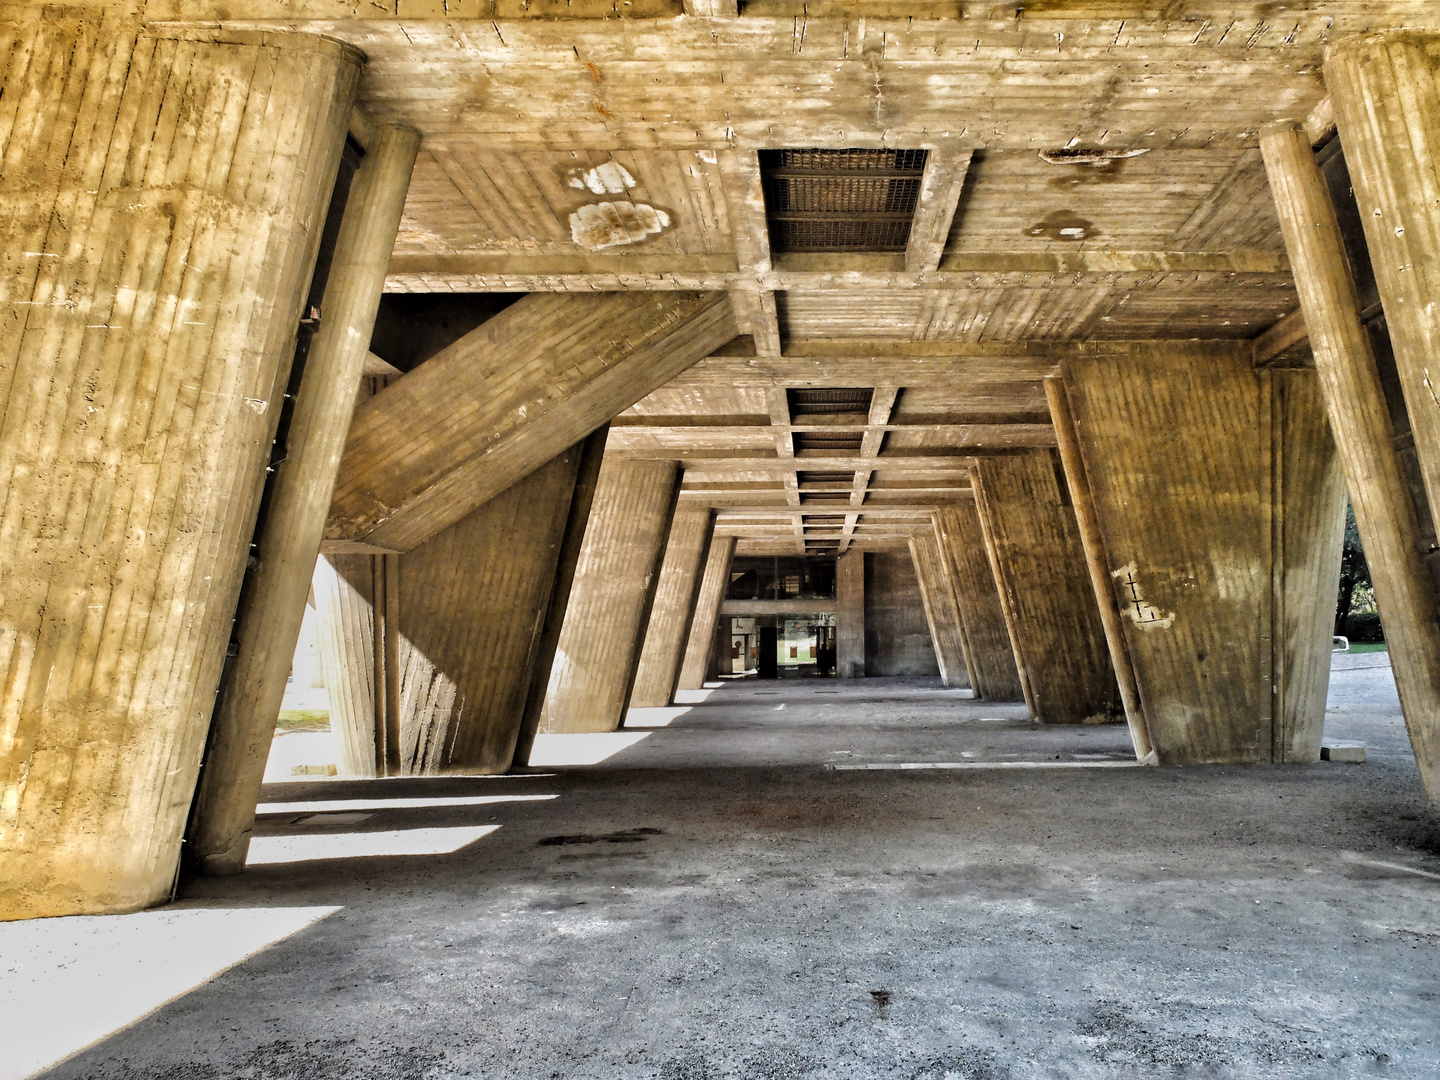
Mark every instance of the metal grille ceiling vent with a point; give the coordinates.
(828, 442)
(826, 479)
(829, 401)
(841, 200)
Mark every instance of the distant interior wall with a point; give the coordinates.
(897, 637)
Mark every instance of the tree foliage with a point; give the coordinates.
(1353, 571)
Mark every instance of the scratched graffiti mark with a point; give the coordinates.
(1133, 603)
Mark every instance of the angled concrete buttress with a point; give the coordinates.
(1360, 420)
(987, 638)
(675, 597)
(941, 611)
(176, 181)
(272, 604)
(1223, 576)
(705, 626)
(472, 604)
(1386, 92)
(1033, 544)
(507, 397)
(611, 600)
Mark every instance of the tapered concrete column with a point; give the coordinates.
(592, 455)
(172, 187)
(1386, 92)
(1223, 575)
(1360, 421)
(474, 600)
(611, 601)
(702, 646)
(1034, 548)
(941, 611)
(850, 614)
(675, 597)
(987, 638)
(273, 602)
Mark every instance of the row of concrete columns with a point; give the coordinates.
(1173, 563)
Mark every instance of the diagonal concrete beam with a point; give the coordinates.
(506, 398)
(939, 196)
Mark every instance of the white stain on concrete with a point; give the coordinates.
(614, 222)
(1133, 603)
(612, 178)
(597, 226)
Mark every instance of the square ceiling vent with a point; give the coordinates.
(829, 401)
(828, 443)
(841, 200)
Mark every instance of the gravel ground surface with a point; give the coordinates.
(716, 900)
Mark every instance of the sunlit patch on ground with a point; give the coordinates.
(266, 850)
(320, 806)
(584, 749)
(67, 983)
(653, 718)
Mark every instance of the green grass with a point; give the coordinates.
(1367, 646)
(303, 720)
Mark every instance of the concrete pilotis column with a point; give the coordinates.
(1360, 422)
(611, 600)
(1385, 88)
(850, 615)
(987, 638)
(675, 596)
(703, 642)
(946, 633)
(273, 604)
(1034, 547)
(1222, 576)
(175, 184)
